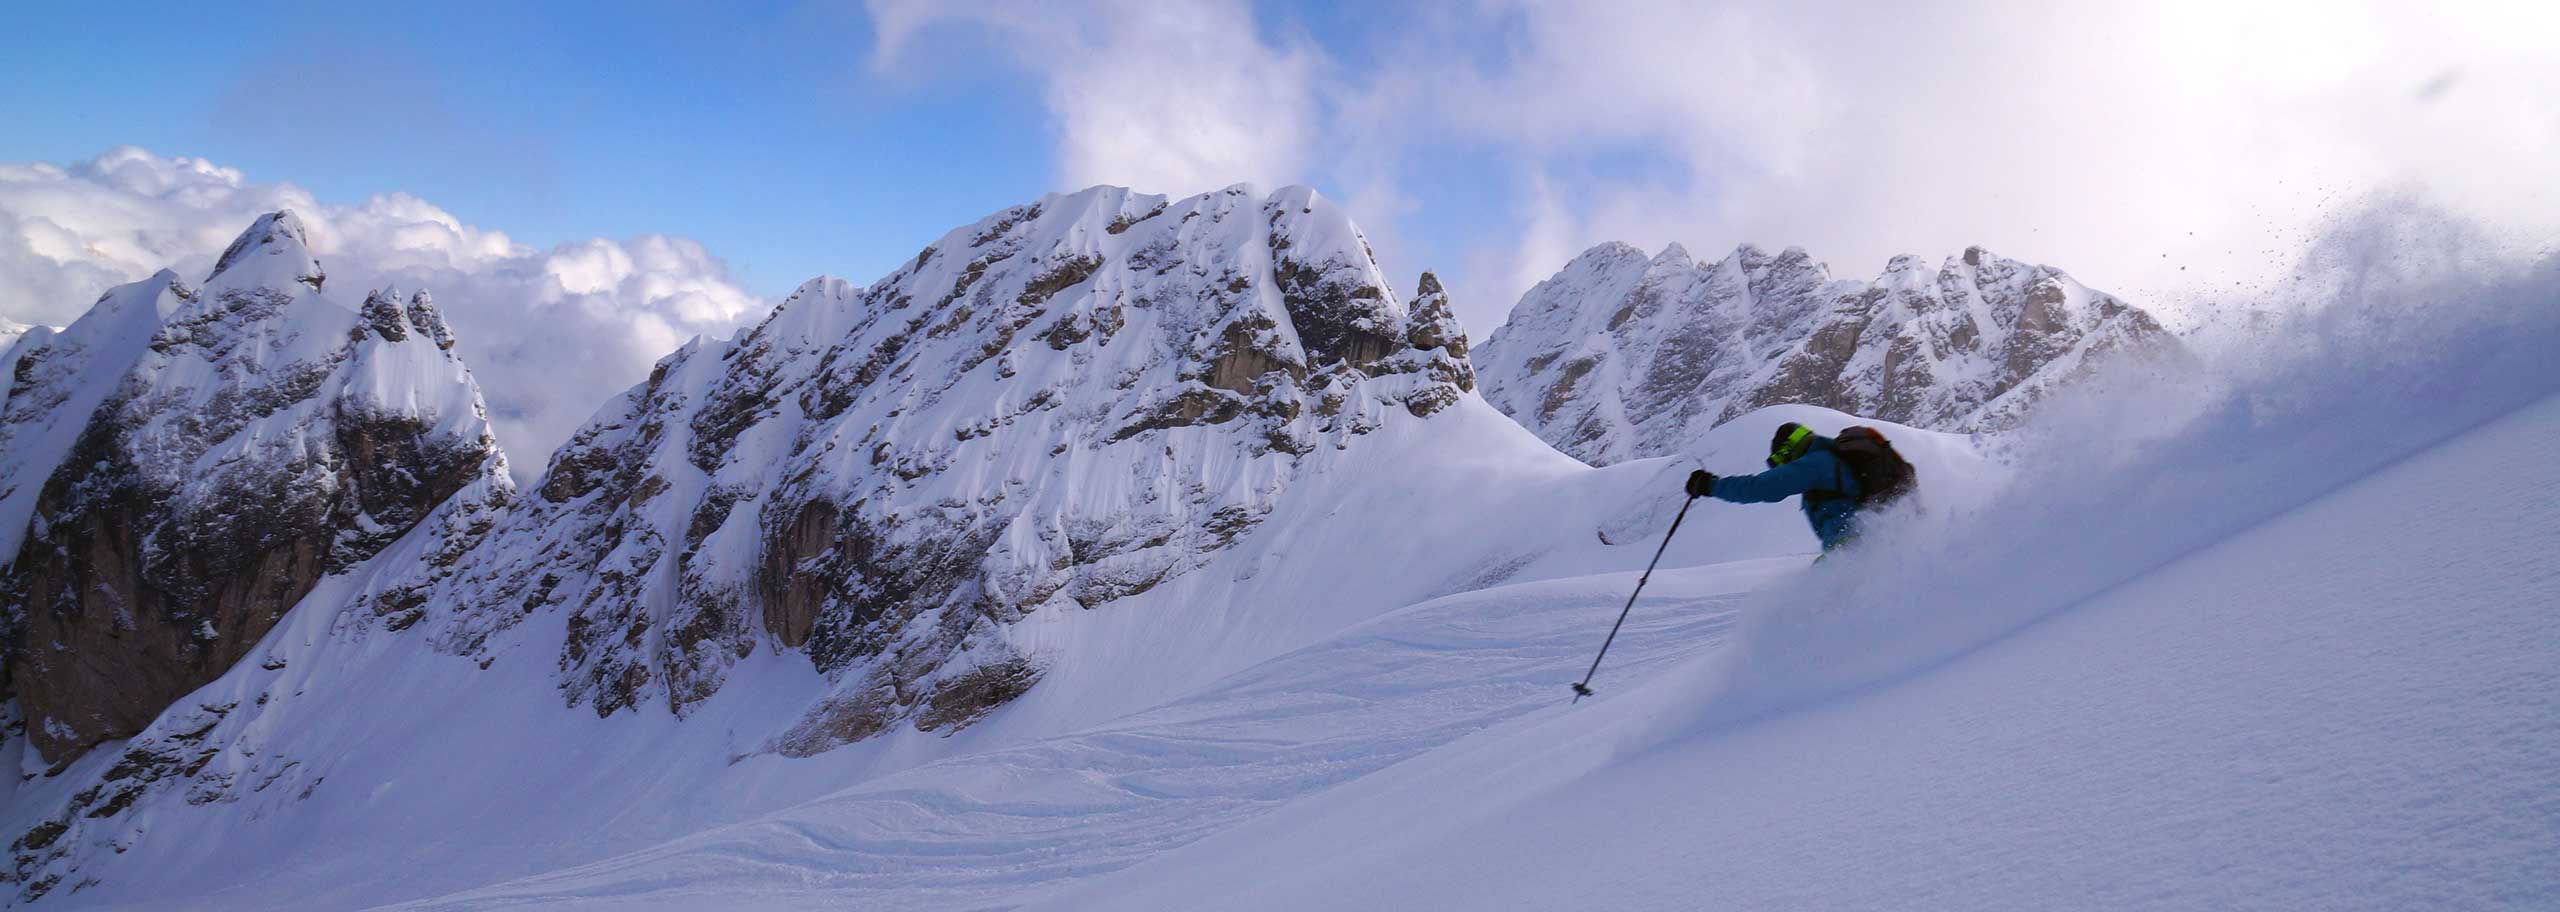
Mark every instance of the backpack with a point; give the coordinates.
(1883, 475)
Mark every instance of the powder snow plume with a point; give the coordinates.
(2395, 353)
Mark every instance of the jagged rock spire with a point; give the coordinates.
(1434, 324)
(382, 312)
(424, 315)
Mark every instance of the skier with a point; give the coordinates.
(1838, 478)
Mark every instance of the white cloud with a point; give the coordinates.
(551, 334)
(1176, 97)
(2162, 150)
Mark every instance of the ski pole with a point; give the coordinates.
(1583, 689)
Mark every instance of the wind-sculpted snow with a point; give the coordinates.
(1621, 356)
(997, 827)
(1060, 406)
(2138, 469)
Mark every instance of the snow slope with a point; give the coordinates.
(2289, 718)
(2356, 705)
(977, 830)
(2255, 642)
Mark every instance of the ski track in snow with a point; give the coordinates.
(970, 831)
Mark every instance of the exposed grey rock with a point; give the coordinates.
(1621, 356)
(884, 480)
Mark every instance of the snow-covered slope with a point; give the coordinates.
(184, 462)
(1621, 355)
(2292, 717)
(2351, 706)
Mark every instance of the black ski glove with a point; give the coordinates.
(1702, 483)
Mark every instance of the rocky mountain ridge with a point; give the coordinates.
(1621, 355)
(1063, 404)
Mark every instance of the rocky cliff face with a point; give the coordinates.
(186, 462)
(1064, 404)
(1621, 355)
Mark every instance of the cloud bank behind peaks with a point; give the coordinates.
(2179, 152)
(1170, 97)
(550, 333)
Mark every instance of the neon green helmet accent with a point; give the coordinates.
(1790, 447)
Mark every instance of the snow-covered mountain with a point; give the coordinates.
(185, 462)
(1070, 454)
(1062, 405)
(1620, 355)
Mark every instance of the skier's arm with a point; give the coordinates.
(1809, 473)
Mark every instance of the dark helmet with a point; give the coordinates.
(1789, 443)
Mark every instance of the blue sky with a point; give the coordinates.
(759, 133)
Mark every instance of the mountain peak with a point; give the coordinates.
(255, 436)
(885, 479)
(274, 253)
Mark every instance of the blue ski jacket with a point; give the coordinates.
(1816, 473)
